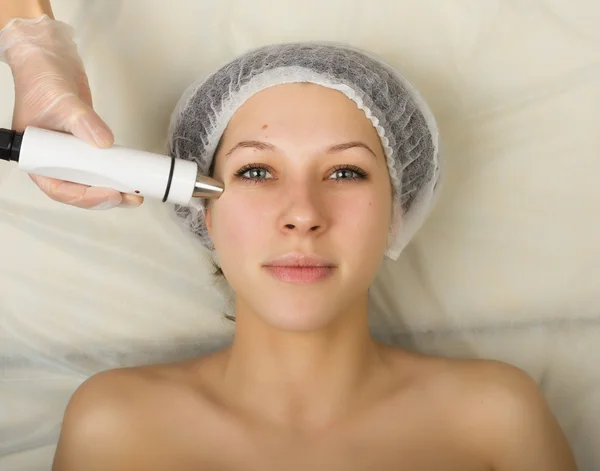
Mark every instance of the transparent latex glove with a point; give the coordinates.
(52, 92)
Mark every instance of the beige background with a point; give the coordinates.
(508, 266)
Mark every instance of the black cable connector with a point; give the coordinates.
(10, 145)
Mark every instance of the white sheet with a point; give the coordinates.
(508, 267)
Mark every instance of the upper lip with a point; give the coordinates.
(298, 259)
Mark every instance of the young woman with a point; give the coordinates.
(329, 162)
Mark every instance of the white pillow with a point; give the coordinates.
(508, 266)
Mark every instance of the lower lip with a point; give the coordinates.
(300, 275)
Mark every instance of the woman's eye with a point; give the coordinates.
(254, 173)
(348, 173)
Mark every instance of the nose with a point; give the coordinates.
(303, 212)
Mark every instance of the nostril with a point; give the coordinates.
(289, 226)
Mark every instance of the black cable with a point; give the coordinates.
(10, 145)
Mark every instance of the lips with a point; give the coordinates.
(300, 268)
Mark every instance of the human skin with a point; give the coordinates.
(304, 385)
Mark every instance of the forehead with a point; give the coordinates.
(304, 109)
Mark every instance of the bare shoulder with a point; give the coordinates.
(490, 380)
(435, 375)
(112, 393)
(502, 413)
(114, 413)
(495, 390)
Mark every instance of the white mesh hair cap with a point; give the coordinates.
(404, 122)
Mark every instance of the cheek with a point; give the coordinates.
(359, 221)
(366, 217)
(235, 222)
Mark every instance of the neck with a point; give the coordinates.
(302, 379)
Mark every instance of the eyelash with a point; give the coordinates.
(361, 174)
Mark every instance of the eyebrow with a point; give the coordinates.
(260, 145)
(251, 145)
(350, 145)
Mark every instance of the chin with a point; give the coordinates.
(299, 308)
(297, 322)
(292, 316)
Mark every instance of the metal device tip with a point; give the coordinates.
(207, 187)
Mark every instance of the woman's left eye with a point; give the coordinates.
(348, 173)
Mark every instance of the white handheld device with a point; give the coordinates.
(65, 157)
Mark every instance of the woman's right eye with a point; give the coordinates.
(253, 172)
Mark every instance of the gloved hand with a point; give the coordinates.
(52, 92)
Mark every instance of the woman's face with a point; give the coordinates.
(304, 173)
